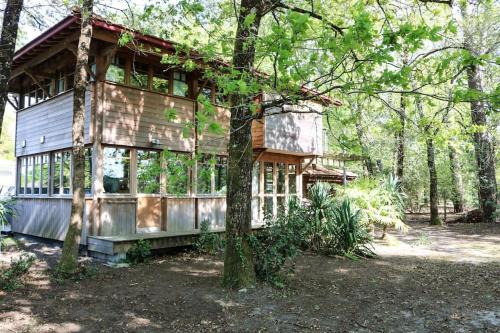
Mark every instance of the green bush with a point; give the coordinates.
(10, 278)
(139, 252)
(208, 242)
(7, 210)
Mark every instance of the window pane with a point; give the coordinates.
(116, 71)
(116, 170)
(32, 97)
(256, 178)
(177, 173)
(281, 178)
(292, 179)
(29, 178)
(66, 169)
(206, 91)
(148, 171)
(160, 81)
(139, 75)
(221, 174)
(60, 84)
(180, 84)
(56, 185)
(281, 204)
(36, 174)
(204, 177)
(88, 171)
(45, 174)
(268, 206)
(268, 177)
(255, 209)
(22, 175)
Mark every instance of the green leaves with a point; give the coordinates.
(170, 114)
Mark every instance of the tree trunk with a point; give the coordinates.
(400, 141)
(8, 39)
(238, 262)
(485, 150)
(457, 183)
(69, 259)
(433, 182)
(370, 166)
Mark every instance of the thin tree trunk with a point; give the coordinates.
(457, 183)
(485, 150)
(238, 261)
(69, 259)
(370, 166)
(8, 39)
(400, 141)
(433, 182)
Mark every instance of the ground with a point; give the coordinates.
(433, 279)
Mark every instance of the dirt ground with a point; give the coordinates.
(432, 279)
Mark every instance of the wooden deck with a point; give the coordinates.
(114, 245)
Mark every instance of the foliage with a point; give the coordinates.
(139, 252)
(10, 278)
(209, 242)
(279, 242)
(84, 270)
(7, 209)
(320, 210)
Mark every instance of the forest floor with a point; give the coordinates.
(432, 279)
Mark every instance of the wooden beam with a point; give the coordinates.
(308, 164)
(12, 104)
(37, 82)
(45, 55)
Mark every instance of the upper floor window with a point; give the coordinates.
(160, 81)
(206, 89)
(116, 70)
(60, 83)
(139, 75)
(116, 170)
(181, 87)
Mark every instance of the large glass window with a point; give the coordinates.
(22, 176)
(204, 177)
(292, 179)
(148, 171)
(29, 177)
(37, 168)
(45, 174)
(180, 84)
(281, 178)
(116, 170)
(177, 173)
(268, 177)
(66, 172)
(139, 75)
(88, 171)
(116, 71)
(256, 178)
(268, 205)
(160, 81)
(220, 174)
(56, 179)
(60, 83)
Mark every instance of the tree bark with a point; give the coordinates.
(457, 182)
(370, 166)
(8, 39)
(69, 259)
(238, 261)
(400, 141)
(484, 148)
(433, 182)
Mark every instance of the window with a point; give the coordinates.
(180, 84)
(256, 178)
(177, 173)
(29, 175)
(268, 205)
(268, 177)
(204, 177)
(88, 171)
(292, 179)
(60, 83)
(45, 174)
(160, 81)
(281, 178)
(22, 176)
(56, 179)
(116, 170)
(32, 98)
(220, 174)
(116, 71)
(66, 172)
(37, 168)
(206, 91)
(148, 171)
(139, 75)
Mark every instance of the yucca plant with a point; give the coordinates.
(320, 208)
(7, 210)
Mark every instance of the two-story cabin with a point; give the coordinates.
(126, 131)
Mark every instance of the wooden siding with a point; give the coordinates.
(53, 119)
(148, 214)
(133, 117)
(213, 210)
(212, 143)
(179, 214)
(258, 133)
(47, 217)
(117, 216)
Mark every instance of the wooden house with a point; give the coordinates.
(125, 132)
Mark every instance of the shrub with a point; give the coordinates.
(208, 242)
(278, 243)
(139, 252)
(10, 278)
(7, 210)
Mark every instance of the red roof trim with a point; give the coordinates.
(69, 20)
